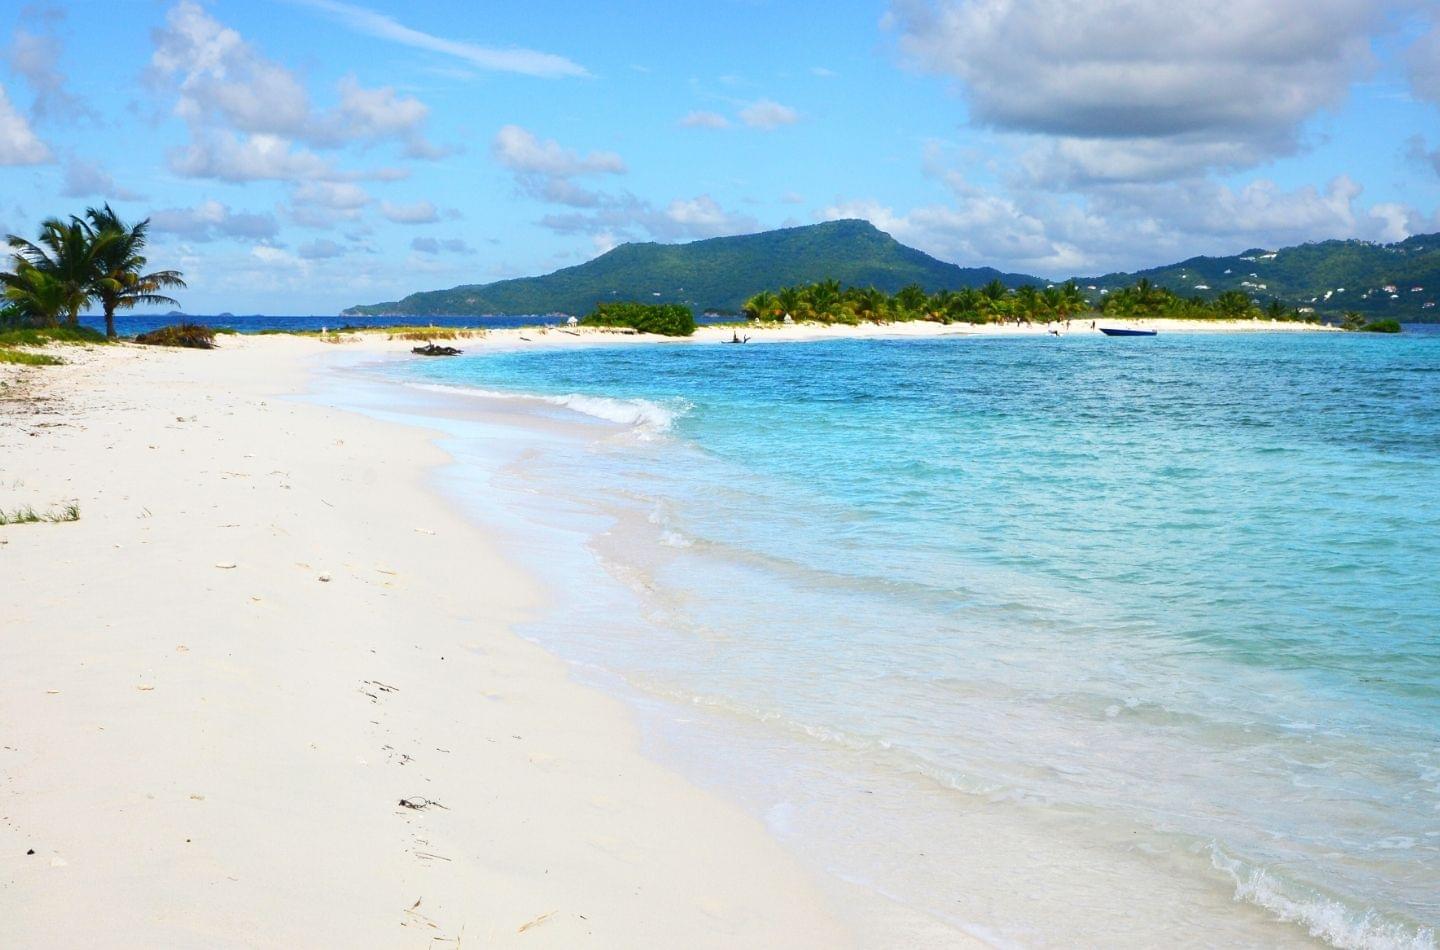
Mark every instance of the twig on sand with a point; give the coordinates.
(420, 804)
(536, 922)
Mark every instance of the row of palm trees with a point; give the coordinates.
(1144, 299)
(94, 258)
(829, 302)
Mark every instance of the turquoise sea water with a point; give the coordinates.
(1050, 641)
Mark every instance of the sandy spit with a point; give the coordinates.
(264, 694)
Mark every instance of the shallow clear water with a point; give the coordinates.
(1050, 641)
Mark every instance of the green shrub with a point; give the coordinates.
(666, 319)
(1382, 326)
(44, 336)
(194, 335)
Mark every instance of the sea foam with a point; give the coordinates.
(636, 413)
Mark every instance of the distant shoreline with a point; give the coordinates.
(522, 337)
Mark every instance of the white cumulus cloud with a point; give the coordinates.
(768, 114)
(1156, 86)
(211, 220)
(19, 145)
(83, 179)
(546, 170)
(704, 120)
(35, 54)
(248, 114)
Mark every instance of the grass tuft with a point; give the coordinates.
(44, 336)
(29, 359)
(28, 515)
(420, 334)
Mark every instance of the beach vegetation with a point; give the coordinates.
(665, 319)
(24, 358)
(75, 263)
(120, 281)
(28, 515)
(49, 336)
(994, 302)
(1382, 326)
(193, 335)
(422, 334)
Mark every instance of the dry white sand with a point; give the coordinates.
(206, 743)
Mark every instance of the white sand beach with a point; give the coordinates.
(262, 635)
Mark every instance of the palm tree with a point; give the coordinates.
(762, 306)
(941, 305)
(911, 299)
(121, 284)
(1027, 302)
(789, 299)
(40, 297)
(824, 297)
(967, 305)
(1234, 305)
(871, 303)
(1072, 300)
(69, 254)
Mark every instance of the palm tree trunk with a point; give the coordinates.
(110, 322)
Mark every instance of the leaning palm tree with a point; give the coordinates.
(69, 254)
(121, 283)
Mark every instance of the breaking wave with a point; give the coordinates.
(636, 413)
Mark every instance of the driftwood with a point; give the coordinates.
(431, 349)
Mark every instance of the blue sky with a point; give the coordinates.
(299, 156)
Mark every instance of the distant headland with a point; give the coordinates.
(1399, 281)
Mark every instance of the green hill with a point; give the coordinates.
(720, 273)
(1331, 276)
(715, 274)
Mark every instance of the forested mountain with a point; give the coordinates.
(1399, 281)
(715, 274)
